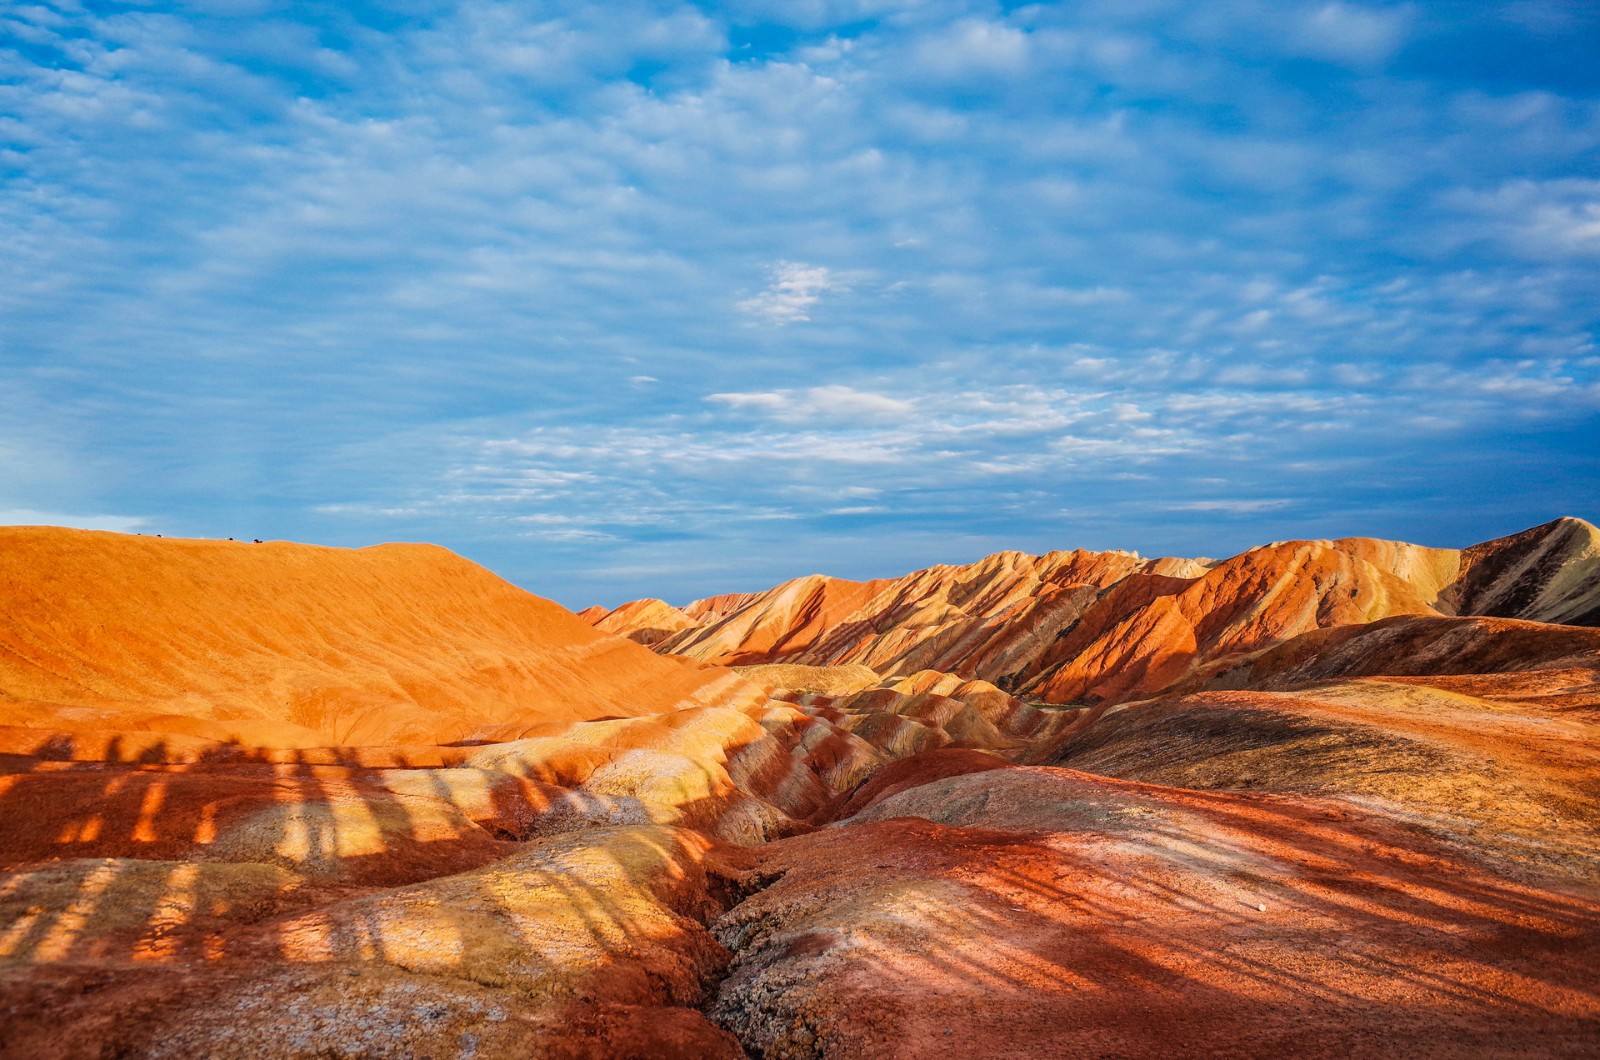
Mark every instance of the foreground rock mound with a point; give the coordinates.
(1024, 912)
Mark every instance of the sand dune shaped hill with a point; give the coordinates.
(285, 645)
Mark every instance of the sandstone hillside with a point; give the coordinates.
(286, 645)
(1082, 627)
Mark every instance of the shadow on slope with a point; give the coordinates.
(261, 908)
(1036, 911)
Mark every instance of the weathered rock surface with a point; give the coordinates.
(1025, 912)
(1550, 573)
(1080, 627)
(645, 621)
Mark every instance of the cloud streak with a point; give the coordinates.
(832, 402)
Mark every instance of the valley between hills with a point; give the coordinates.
(1323, 798)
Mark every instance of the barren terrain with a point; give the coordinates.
(1324, 798)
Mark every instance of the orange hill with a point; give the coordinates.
(286, 645)
(1080, 626)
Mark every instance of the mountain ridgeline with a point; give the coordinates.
(1093, 627)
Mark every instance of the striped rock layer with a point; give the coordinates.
(1088, 627)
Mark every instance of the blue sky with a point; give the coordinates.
(640, 298)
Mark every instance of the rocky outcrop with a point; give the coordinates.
(1550, 573)
(1020, 912)
(1083, 627)
(983, 620)
(645, 621)
(1255, 599)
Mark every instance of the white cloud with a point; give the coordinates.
(1354, 33)
(793, 290)
(125, 524)
(841, 450)
(1572, 227)
(1552, 219)
(972, 48)
(821, 402)
(1232, 507)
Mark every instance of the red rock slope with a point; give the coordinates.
(981, 620)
